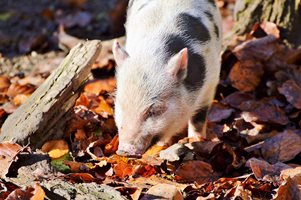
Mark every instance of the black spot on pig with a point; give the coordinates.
(211, 18)
(212, 2)
(199, 118)
(196, 63)
(193, 28)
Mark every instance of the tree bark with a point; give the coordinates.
(284, 13)
(34, 121)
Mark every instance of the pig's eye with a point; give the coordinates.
(155, 111)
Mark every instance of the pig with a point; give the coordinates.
(167, 72)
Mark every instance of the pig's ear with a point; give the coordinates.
(119, 53)
(177, 66)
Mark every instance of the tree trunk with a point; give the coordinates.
(34, 121)
(284, 13)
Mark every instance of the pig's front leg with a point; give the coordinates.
(197, 124)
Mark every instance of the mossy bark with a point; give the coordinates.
(284, 13)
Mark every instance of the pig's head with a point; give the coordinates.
(149, 101)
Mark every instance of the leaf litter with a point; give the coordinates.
(255, 122)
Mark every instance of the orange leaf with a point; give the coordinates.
(56, 148)
(38, 193)
(123, 170)
(4, 83)
(104, 109)
(99, 86)
(20, 99)
(112, 147)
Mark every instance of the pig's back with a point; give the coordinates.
(161, 28)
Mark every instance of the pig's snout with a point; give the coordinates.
(129, 150)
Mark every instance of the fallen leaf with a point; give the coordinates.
(112, 147)
(246, 75)
(261, 168)
(104, 109)
(55, 148)
(292, 92)
(219, 112)
(81, 177)
(20, 99)
(99, 86)
(263, 112)
(144, 171)
(38, 193)
(8, 155)
(282, 147)
(195, 171)
(290, 173)
(4, 83)
(236, 99)
(290, 189)
(123, 170)
(15, 89)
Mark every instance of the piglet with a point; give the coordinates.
(168, 71)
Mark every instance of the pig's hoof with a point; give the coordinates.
(127, 154)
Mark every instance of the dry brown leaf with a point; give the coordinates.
(123, 170)
(290, 173)
(195, 171)
(246, 75)
(8, 155)
(112, 147)
(15, 89)
(104, 109)
(292, 92)
(291, 189)
(20, 99)
(236, 99)
(219, 112)
(263, 112)
(38, 193)
(282, 147)
(4, 83)
(262, 168)
(99, 86)
(56, 148)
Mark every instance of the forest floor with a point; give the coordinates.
(254, 126)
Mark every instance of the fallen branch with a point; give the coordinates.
(33, 121)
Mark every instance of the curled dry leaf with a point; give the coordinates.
(8, 155)
(195, 171)
(38, 193)
(99, 86)
(15, 89)
(262, 168)
(219, 112)
(292, 92)
(246, 75)
(261, 49)
(290, 173)
(104, 109)
(20, 99)
(261, 111)
(123, 170)
(4, 83)
(282, 147)
(56, 148)
(112, 147)
(236, 99)
(290, 189)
